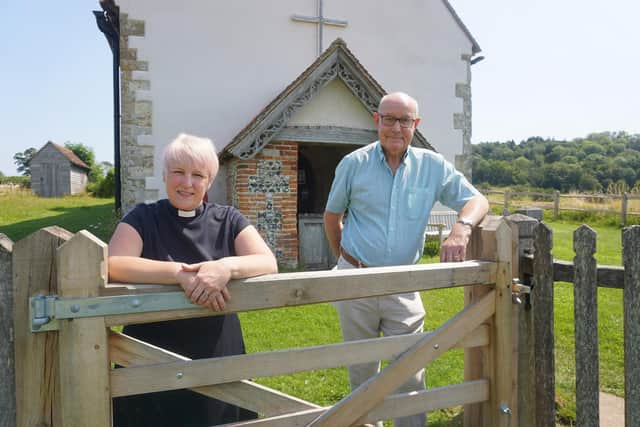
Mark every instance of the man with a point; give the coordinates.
(388, 189)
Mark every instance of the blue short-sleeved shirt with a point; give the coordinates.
(388, 214)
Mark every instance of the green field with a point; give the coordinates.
(21, 214)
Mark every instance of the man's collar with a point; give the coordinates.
(383, 158)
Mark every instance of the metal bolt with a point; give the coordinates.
(436, 346)
(179, 375)
(75, 308)
(136, 303)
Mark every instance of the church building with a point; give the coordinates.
(284, 89)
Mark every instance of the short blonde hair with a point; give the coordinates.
(191, 149)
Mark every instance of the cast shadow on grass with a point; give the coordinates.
(100, 220)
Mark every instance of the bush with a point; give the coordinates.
(105, 187)
(431, 246)
(22, 181)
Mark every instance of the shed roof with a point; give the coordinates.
(70, 155)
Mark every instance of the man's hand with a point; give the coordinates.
(454, 249)
(205, 283)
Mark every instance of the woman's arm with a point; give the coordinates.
(253, 258)
(126, 265)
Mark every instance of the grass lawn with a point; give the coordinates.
(22, 214)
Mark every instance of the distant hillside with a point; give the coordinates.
(601, 162)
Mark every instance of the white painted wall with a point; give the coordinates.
(215, 65)
(335, 105)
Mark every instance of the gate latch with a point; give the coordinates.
(517, 290)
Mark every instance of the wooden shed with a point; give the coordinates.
(57, 171)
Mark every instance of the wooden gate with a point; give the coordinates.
(64, 345)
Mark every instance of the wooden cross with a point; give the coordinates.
(320, 20)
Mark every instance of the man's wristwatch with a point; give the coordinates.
(465, 221)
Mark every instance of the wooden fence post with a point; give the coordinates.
(556, 204)
(503, 389)
(505, 207)
(623, 209)
(631, 262)
(478, 362)
(37, 386)
(526, 375)
(542, 303)
(7, 360)
(85, 394)
(585, 297)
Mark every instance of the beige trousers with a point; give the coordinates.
(390, 315)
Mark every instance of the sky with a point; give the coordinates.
(555, 69)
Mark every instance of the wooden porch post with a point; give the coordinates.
(85, 394)
(34, 272)
(7, 359)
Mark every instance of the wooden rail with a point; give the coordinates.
(64, 377)
(555, 198)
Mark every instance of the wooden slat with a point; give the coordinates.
(393, 406)
(128, 351)
(609, 276)
(631, 262)
(504, 387)
(357, 404)
(585, 298)
(7, 359)
(84, 360)
(291, 289)
(203, 372)
(34, 272)
(542, 302)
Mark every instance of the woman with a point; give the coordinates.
(199, 246)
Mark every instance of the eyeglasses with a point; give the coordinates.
(390, 121)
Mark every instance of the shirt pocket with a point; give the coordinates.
(416, 199)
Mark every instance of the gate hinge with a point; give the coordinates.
(42, 312)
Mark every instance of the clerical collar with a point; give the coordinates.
(186, 214)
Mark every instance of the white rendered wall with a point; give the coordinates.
(213, 65)
(335, 105)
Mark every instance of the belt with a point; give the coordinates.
(351, 260)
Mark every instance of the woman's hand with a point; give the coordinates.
(205, 283)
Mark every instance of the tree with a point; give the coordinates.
(87, 155)
(22, 160)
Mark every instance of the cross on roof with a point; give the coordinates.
(320, 20)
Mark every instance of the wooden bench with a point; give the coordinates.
(440, 223)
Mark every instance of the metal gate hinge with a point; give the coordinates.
(42, 312)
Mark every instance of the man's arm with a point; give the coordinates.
(455, 247)
(333, 230)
